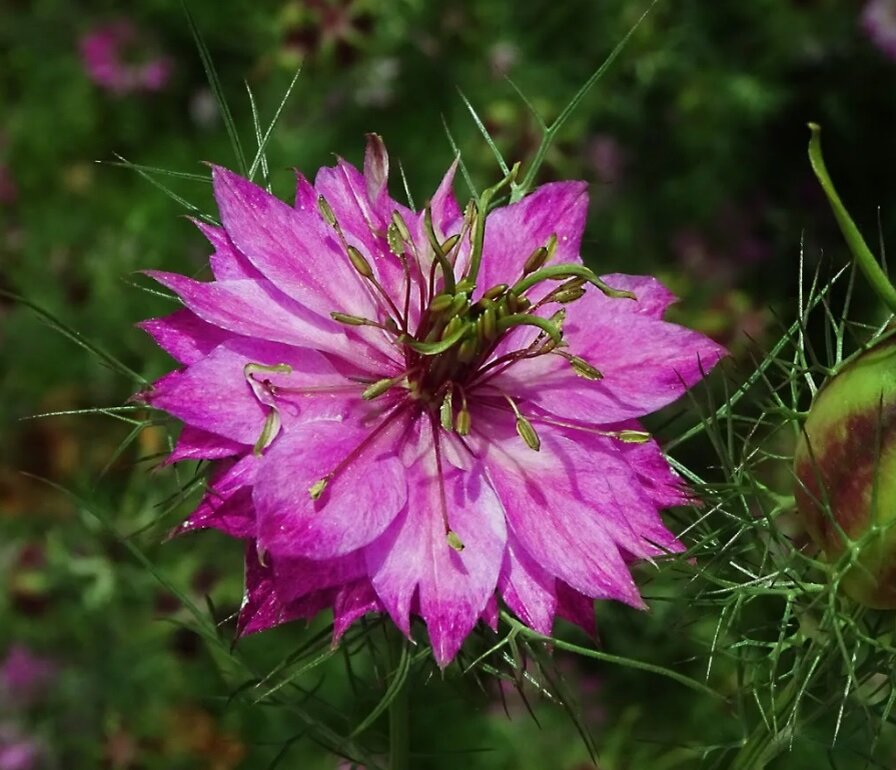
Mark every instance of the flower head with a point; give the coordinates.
(116, 58)
(19, 751)
(422, 412)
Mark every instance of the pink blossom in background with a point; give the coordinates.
(879, 22)
(25, 677)
(418, 412)
(117, 58)
(19, 751)
(607, 157)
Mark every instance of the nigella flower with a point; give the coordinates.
(423, 412)
(116, 58)
(879, 22)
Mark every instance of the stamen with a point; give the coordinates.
(580, 366)
(359, 262)
(269, 432)
(450, 536)
(496, 291)
(441, 259)
(446, 411)
(380, 387)
(559, 272)
(326, 212)
(524, 427)
(536, 260)
(463, 422)
(388, 325)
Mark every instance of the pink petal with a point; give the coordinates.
(255, 309)
(513, 232)
(227, 262)
(414, 555)
(527, 589)
(646, 363)
(196, 444)
(576, 608)
(227, 504)
(353, 601)
(214, 394)
(549, 514)
(291, 247)
(357, 504)
(184, 336)
(297, 577)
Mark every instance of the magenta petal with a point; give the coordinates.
(254, 309)
(559, 528)
(184, 336)
(576, 608)
(227, 504)
(297, 577)
(527, 589)
(414, 555)
(513, 232)
(367, 491)
(290, 247)
(353, 601)
(196, 444)
(227, 262)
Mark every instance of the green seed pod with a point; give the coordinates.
(845, 468)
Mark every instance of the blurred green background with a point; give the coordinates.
(694, 149)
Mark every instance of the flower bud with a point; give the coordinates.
(845, 468)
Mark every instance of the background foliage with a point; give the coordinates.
(694, 148)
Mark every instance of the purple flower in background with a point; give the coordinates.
(418, 412)
(18, 751)
(116, 58)
(879, 22)
(24, 676)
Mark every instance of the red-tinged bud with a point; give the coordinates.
(845, 468)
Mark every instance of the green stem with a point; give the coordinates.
(399, 710)
(860, 251)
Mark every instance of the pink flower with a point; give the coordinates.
(24, 676)
(405, 422)
(879, 22)
(18, 751)
(118, 60)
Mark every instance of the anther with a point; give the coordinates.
(527, 432)
(317, 489)
(467, 350)
(582, 368)
(378, 388)
(536, 260)
(496, 291)
(449, 243)
(396, 243)
(359, 262)
(446, 412)
(401, 226)
(454, 541)
(268, 432)
(326, 212)
(632, 436)
(441, 302)
(462, 422)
